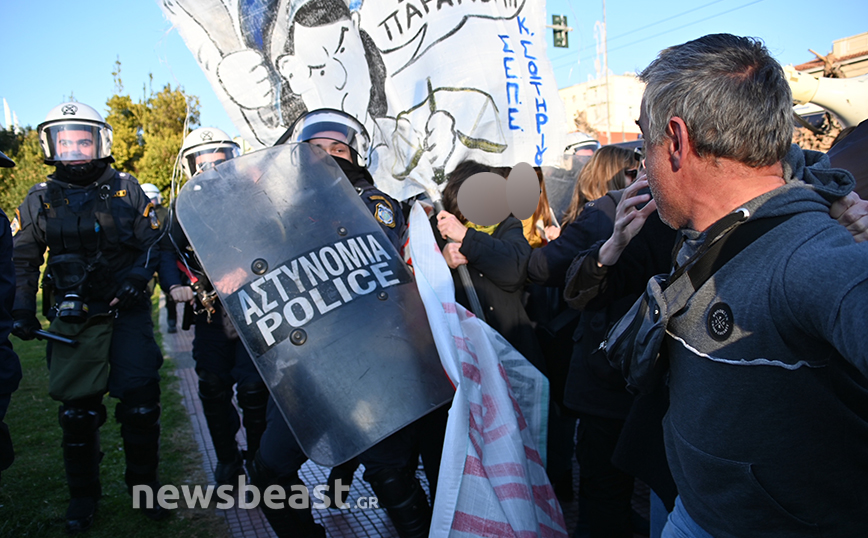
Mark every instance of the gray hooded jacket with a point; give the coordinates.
(767, 430)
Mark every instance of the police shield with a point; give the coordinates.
(320, 297)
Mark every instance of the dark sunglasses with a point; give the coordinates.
(632, 173)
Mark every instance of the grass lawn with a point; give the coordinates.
(33, 492)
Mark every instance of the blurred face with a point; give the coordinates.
(75, 147)
(326, 141)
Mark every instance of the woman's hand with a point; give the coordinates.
(452, 256)
(450, 227)
(552, 233)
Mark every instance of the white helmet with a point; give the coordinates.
(206, 147)
(332, 124)
(153, 192)
(74, 132)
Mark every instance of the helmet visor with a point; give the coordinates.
(74, 142)
(335, 126)
(201, 159)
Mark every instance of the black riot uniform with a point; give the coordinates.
(10, 366)
(221, 359)
(390, 464)
(109, 223)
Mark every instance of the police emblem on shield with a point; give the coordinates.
(320, 297)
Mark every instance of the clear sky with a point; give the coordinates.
(52, 48)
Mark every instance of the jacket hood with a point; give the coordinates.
(814, 168)
(811, 185)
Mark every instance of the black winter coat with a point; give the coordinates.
(498, 269)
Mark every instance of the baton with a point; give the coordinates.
(45, 335)
(464, 274)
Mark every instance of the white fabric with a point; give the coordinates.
(492, 476)
(452, 79)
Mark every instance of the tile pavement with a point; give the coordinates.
(351, 523)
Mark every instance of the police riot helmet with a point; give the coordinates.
(6, 162)
(153, 192)
(334, 125)
(74, 132)
(206, 147)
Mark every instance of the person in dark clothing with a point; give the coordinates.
(593, 390)
(162, 211)
(10, 366)
(222, 361)
(390, 464)
(545, 309)
(496, 257)
(91, 216)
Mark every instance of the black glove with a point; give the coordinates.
(131, 292)
(25, 324)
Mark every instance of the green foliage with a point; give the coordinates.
(162, 134)
(127, 146)
(148, 133)
(25, 150)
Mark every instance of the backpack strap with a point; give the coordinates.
(725, 248)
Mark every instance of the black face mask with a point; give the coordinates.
(80, 174)
(358, 175)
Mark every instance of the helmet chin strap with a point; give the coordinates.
(80, 174)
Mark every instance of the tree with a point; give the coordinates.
(148, 133)
(163, 122)
(25, 150)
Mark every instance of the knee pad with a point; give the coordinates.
(79, 421)
(262, 476)
(211, 387)
(252, 396)
(143, 417)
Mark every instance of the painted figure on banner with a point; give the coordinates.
(402, 69)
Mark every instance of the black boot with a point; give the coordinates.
(139, 415)
(399, 492)
(253, 401)
(81, 457)
(343, 472)
(223, 424)
(286, 522)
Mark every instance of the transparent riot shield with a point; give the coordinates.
(322, 300)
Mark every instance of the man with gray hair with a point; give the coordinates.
(767, 429)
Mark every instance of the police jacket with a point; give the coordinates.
(174, 243)
(111, 216)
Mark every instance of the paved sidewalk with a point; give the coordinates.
(351, 523)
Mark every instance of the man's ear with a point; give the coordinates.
(677, 141)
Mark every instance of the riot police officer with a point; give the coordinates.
(10, 366)
(101, 234)
(156, 197)
(221, 359)
(390, 464)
